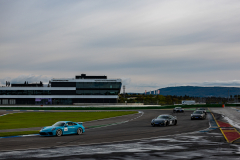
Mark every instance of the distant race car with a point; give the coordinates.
(164, 120)
(202, 109)
(178, 109)
(63, 128)
(198, 115)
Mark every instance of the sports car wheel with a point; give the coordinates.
(59, 132)
(79, 131)
(175, 123)
(167, 123)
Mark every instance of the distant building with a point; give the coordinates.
(81, 89)
(188, 102)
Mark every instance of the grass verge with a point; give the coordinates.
(41, 119)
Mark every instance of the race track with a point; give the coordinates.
(129, 137)
(131, 130)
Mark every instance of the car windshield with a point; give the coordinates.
(178, 108)
(197, 112)
(164, 117)
(59, 124)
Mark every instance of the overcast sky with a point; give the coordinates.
(150, 44)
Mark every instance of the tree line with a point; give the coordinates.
(171, 100)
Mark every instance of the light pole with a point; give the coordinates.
(124, 91)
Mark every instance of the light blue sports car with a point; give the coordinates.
(63, 128)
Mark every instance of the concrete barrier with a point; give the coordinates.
(108, 104)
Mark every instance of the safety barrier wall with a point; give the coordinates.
(101, 104)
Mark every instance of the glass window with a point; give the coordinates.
(89, 85)
(4, 101)
(102, 92)
(114, 92)
(8, 92)
(88, 92)
(46, 92)
(30, 92)
(12, 101)
(38, 92)
(62, 101)
(79, 85)
(25, 92)
(70, 123)
(95, 92)
(63, 84)
(80, 92)
(98, 84)
(59, 124)
(20, 92)
(106, 85)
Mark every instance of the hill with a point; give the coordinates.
(197, 91)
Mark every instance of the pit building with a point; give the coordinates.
(65, 91)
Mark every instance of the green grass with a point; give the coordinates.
(7, 134)
(41, 119)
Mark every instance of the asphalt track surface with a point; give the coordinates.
(135, 129)
(133, 139)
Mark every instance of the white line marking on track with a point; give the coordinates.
(117, 123)
(112, 117)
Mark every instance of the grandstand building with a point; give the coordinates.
(81, 89)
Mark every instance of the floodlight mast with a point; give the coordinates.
(124, 91)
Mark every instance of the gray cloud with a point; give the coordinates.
(150, 43)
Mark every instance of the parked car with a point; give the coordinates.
(164, 120)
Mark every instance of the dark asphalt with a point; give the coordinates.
(136, 129)
(190, 139)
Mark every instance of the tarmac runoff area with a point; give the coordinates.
(135, 139)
